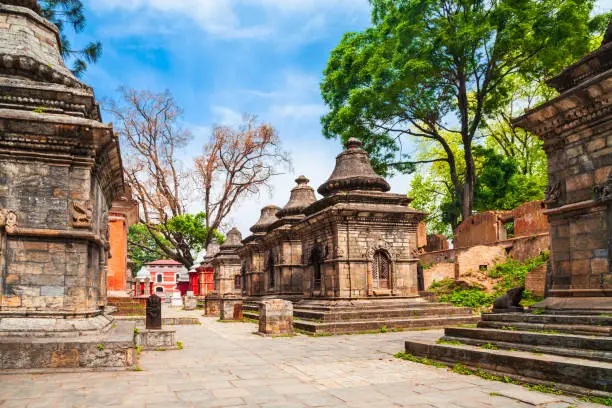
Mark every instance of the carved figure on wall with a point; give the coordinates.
(553, 193)
(603, 192)
(8, 220)
(82, 212)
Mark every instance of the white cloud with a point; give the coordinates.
(217, 17)
(221, 18)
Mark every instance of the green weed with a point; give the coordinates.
(421, 360)
(453, 342)
(489, 346)
(598, 400)
(179, 344)
(100, 347)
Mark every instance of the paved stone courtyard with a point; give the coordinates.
(226, 365)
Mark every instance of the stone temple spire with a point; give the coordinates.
(302, 196)
(353, 172)
(30, 47)
(233, 241)
(268, 217)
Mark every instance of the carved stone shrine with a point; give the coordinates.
(154, 313)
(60, 170)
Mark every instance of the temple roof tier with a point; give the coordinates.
(353, 171)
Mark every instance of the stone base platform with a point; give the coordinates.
(570, 351)
(344, 316)
(41, 324)
(113, 349)
(156, 339)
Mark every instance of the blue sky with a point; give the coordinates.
(221, 58)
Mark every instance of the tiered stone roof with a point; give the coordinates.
(302, 196)
(353, 171)
(267, 218)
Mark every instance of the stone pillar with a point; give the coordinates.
(147, 287)
(275, 318)
(576, 128)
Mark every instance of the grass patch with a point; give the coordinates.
(421, 360)
(100, 347)
(452, 342)
(160, 349)
(136, 331)
(598, 400)
(137, 368)
(538, 311)
(489, 346)
(464, 370)
(179, 344)
(138, 350)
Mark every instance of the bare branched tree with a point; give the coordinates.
(238, 163)
(151, 137)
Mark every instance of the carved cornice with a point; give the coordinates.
(28, 67)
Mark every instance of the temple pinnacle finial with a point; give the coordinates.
(353, 143)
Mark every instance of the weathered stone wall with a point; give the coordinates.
(44, 272)
(535, 281)
(530, 219)
(436, 242)
(348, 249)
(483, 228)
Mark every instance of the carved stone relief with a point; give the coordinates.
(8, 220)
(82, 211)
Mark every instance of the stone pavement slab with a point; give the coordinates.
(226, 365)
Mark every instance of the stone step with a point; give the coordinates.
(380, 313)
(571, 374)
(592, 348)
(586, 330)
(567, 319)
(356, 326)
(369, 306)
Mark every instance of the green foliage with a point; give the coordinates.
(473, 297)
(100, 347)
(438, 71)
(149, 243)
(510, 274)
(136, 331)
(71, 12)
(500, 186)
(598, 400)
(179, 344)
(489, 346)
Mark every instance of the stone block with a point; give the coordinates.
(275, 317)
(228, 306)
(156, 339)
(52, 291)
(190, 302)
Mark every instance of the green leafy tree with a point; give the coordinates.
(149, 243)
(70, 13)
(432, 68)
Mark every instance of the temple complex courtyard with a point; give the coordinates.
(226, 365)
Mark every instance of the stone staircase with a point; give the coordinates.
(572, 352)
(125, 306)
(354, 316)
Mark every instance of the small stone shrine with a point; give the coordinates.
(227, 274)
(570, 330)
(60, 170)
(348, 261)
